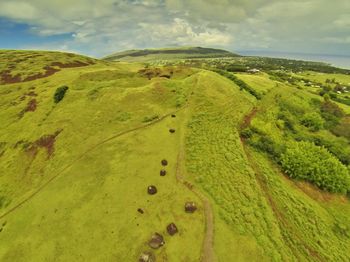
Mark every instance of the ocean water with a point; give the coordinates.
(334, 60)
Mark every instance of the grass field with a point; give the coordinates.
(74, 173)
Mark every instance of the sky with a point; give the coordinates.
(101, 27)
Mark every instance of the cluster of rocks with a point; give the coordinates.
(147, 257)
(157, 239)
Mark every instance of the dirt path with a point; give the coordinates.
(38, 190)
(208, 241)
(278, 214)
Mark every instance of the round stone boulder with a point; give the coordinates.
(147, 257)
(156, 241)
(171, 130)
(152, 190)
(190, 207)
(172, 229)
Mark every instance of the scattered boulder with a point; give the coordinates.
(140, 210)
(164, 162)
(171, 130)
(147, 257)
(172, 229)
(152, 190)
(166, 76)
(173, 115)
(162, 172)
(190, 207)
(156, 241)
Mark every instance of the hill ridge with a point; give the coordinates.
(173, 53)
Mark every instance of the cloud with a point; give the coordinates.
(18, 10)
(183, 33)
(100, 27)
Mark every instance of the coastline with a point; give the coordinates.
(334, 60)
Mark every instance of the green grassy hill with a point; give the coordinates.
(168, 54)
(75, 171)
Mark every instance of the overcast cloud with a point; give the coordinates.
(100, 27)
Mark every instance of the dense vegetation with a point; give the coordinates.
(306, 161)
(242, 85)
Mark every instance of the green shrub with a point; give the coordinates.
(343, 129)
(242, 85)
(59, 94)
(313, 121)
(265, 144)
(147, 119)
(247, 133)
(306, 161)
(288, 120)
(332, 113)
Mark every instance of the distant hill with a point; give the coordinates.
(168, 53)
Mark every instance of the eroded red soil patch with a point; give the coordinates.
(7, 78)
(248, 118)
(154, 72)
(48, 142)
(32, 148)
(31, 107)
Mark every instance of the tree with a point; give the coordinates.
(313, 121)
(59, 94)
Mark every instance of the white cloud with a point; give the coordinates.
(99, 27)
(18, 10)
(181, 32)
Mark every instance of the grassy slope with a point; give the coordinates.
(89, 212)
(271, 217)
(108, 181)
(260, 81)
(310, 220)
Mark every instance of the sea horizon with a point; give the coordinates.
(340, 61)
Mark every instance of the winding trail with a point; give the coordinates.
(208, 241)
(207, 254)
(38, 190)
(263, 184)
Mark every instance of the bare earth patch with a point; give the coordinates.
(7, 78)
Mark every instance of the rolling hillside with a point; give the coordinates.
(118, 161)
(168, 53)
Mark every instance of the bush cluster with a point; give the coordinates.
(331, 112)
(306, 161)
(59, 94)
(313, 121)
(242, 85)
